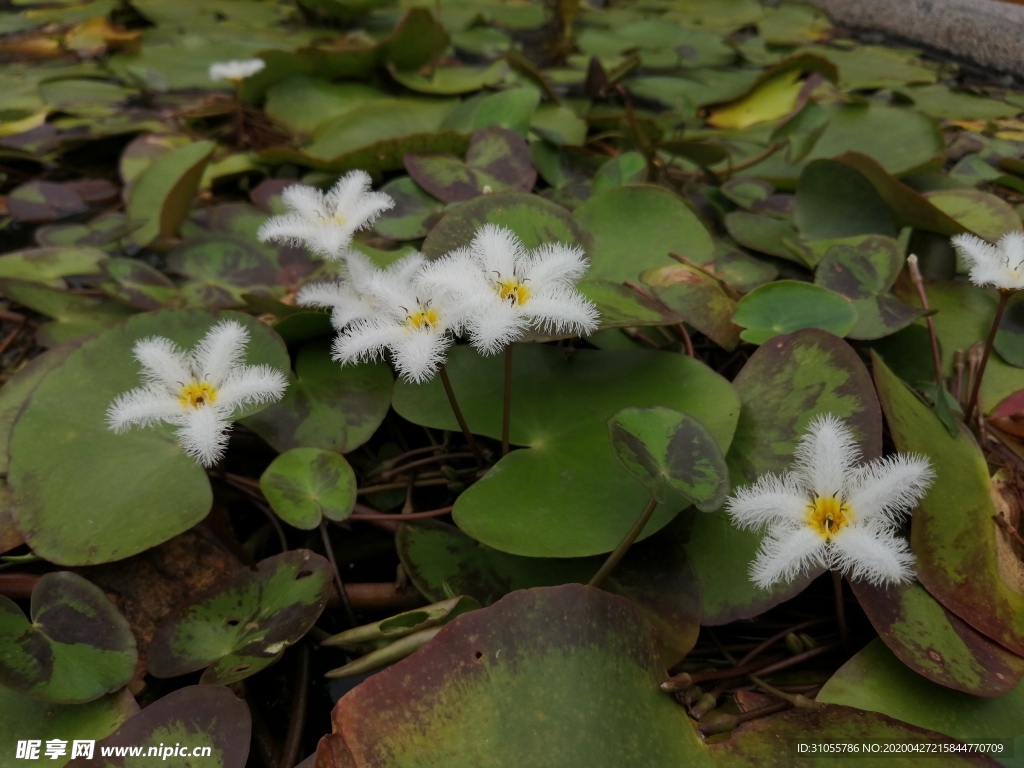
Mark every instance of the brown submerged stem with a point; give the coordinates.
(972, 401)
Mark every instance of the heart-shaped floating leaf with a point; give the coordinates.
(566, 496)
(73, 316)
(162, 195)
(963, 558)
(654, 574)
(220, 269)
(413, 207)
(245, 625)
(627, 168)
(635, 228)
(183, 724)
(788, 305)
(305, 485)
(785, 384)
(62, 449)
(498, 160)
(511, 108)
(67, 722)
(876, 680)
(984, 214)
(699, 299)
(139, 285)
(768, 234)
(303, 104)
(326, 405)
(554, 663)
(670, 452)
(535, 221)
(833, 200)
(934, 642)
(76, 648)
(448, 81)
(50, 265)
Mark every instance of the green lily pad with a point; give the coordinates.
(76, 648)
(935, 643)
(326, 405)
(195, 717)
(622, 307)
(68, 722)
(303, 104)
(162, 194)
(61, 449)
(413, 208)
(564, 496)
(767, 234)
(559, 125)
(877, 681)
(305, 485)
(541, 674)
(833, 200)
(73, 316)
(627, 168)
(635, 228)
(498, 160)
(871, 67)
(699, 299)
(511, 109)
(450, 81)
(535, 221)
(963, 558)
(245, 625)
(785, 383)
(669, 453)
(141, 286)
(983, 214)
(944, 103)
(50, 265)
(220, 269)
(787, 305)
(746, 192)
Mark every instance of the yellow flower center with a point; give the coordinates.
(828, 515)
(512, 290)
(197, 394)
(423, 318)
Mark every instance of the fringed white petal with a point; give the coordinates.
(418, 354)
(495, 324)
(307, 202)
(555, 263)
(220, 351)
(142, 407)
(163, 362)
(1000, 265)
(826, 455)
(289, 228)
(786, 552)
(364, 340)
(204, 435)
(498, 251)
(882, 491)
(250, 384)
(771, 500)
(557, 309)
(878, 557)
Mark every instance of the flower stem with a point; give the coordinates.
(918, 281)
(329, 550)
(506, 411)
(972, 401)
(837, 586)
(459, 417)
(625, 544)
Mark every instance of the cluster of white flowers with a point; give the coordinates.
(492, 291)
(235, 71)
(198, 391)
(833, 512)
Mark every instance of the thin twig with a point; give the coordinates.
(1007, 528)
(258, 501)
(425, 462)
(400, 517)
(337, 573)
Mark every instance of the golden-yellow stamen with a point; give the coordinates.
(197, 394)
(423, 318)
(828, 515)
(512, 290)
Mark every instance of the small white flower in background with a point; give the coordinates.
(235, 71)
(325, 223)
(513, 289)
(198, 390)
(352, 298)
(832, 511)
(410, 319)
(1000, 265)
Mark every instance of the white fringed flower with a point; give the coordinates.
(235, 71)
(831, 511)
(1000, 265)
(513, 289)
(412, 320)
(198, 391)
(353, 298)
(325, 223)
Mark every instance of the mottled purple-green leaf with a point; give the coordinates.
(541, 675)
(768, 234)
(746, 192)
(627, 168)
(655, 574)
(936, 643)
(620, 306)
(220, 268)
(50, 265)
(39, 201)
(535, 221)
(984, 214)
(197, 717)
(833, 200)
(860, 267)
(76, 647)
(139, 285)
(73, 316)
(244, 625)
(509, 109)
(305, 485)
(963, 558)
(879, 316)
(670, 452)
(408, 220)
(785, 306)
(326, 405)
(741, 271)
(787, 382)
(698, 299)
